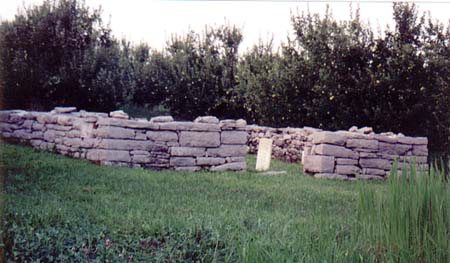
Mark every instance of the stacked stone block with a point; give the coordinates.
(287, 144)
(361, 155)
(161, 143)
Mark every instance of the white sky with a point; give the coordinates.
(154, 21)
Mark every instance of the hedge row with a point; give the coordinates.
(332, 74)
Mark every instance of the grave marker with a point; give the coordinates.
(264, 154)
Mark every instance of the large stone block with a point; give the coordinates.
(362, 143)
(346, 161)
(412, 140)
(227, 151)
(239, 124)
(347, 169)
(207, 119)
(234, 137)
(162, 119)
(114, 132)
(334, 150)
(210, 160)
(420, 150)
(108, 155)
(182, 161)
(127, 123)
(373, 171)
(319, 164)
(188, 168)
(375, 163)
(116, 144)
(189, 126)
(163, 136)
(328, 137)
(240, 166)
(187, 151)
(199, 139)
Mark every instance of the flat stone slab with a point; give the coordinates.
(274, 172)
(264, 154)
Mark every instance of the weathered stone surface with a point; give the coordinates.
(375, 163)
(368, 155)
(346, 161)
(347, 169)
(37, 126)
(58, 127)
(233, 124)
(234, 137)
(140, 135)
(331, 176)
(45, 118)
(163, 136)
(387, 148)
(334, 150)
(199, 139)
(37, 135)
(64, 109)
(235, 159)
(413, 140)
(27, 124)
(182, 161)
(73, 134)
(187, 151)
(230, 167)
(73, 142)
(188, 126)
(188, 168)
(127, 123)
(108, 155)
(328, 137)
(385, 138)
(207, 119)
(263, 157)
(373, 171)
(116, 144)
(402, 149)
(210, 160)
(227, 151)
(420, 150)
(119, 114)
(319, 164)
(362, 143)
(160, 119)
(49, 135)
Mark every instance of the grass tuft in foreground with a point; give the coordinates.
(411, 221)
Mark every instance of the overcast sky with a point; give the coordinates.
(154, 21)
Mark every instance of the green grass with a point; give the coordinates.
(60, 209)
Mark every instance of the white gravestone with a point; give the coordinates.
(264, 154)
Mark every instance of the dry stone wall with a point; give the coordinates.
(287, 144)
(361, 154)
(114, 139)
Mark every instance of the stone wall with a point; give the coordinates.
(114, 139)
(361, 154)
(287, 144)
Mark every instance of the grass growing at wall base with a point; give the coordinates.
(57, 209)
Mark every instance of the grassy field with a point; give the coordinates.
(59, 209)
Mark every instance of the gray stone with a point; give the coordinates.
(413, 140)
(141, 159)
(117, 144)
(207, 119)
(362, 143)
(188, 126)
(420, 150)
(374, 171)
(188, 168)
(74, 142)
(273, 172)
(368, 155)
(27, 124)
(334, 150)
(64, 109)
(347, 169)
(140, 135)
(235, 159)
(58, 127)
(49, 135)
(227, 151)
(127, 123)
(385, 138)
(37, 135)
(160, 119)
(85, 114)
(140, 152)
(234, 137)
(164, 136)
(73, 134)
(199, 139)
(37, 126)
(328, 137)
(375, 163)
(210, 161)
(119, 114)
(230, 167)
(182, 161)
(114, 132)
(108, 155)
(64, 120)
(319, 164)
(187, 151)
(233, 124)
(346, 161)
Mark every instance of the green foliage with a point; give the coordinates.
(409, 223)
